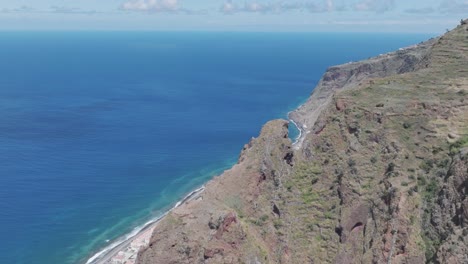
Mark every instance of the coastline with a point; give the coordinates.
(129, 245)
(300, 126)
(125, 248)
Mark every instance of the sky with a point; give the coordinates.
(424, 16)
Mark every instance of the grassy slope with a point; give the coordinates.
(386, 152)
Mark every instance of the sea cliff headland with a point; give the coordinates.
(379, 174)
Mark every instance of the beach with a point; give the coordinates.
(125, 250)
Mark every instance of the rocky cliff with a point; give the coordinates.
(379, 175)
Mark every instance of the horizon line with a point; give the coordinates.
(218, 31)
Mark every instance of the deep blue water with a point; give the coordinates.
(101, 131)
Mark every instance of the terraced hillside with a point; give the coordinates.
(380, 174)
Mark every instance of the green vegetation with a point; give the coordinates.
(303, 170)
(443, 163)
(390, 167)
(304, 176)
(458, 145)
(431, 189)
(289, 185)
(260, 221)
(310, 196)
(422, 180)
(277, 223)
(328, 215)
(430, 246)
(427, 165)
(236, 203)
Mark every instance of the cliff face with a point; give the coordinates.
(223, 225)
(379, 176)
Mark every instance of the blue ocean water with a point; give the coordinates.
(101, 131)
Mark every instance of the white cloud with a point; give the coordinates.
(330, 6)
(152, 5)
(50, 10)
(421, 11)
(378, 6)
(21, 9)
(454, 6)
(230, 7)
(71, 10)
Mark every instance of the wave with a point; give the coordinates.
(296, 140)
(139, 229)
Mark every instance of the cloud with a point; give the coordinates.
(230, 7)
(70, 10)
(50, 10)
(379, 6)
(155, 6)
(422, 11)
(21, 9)
(453, 6)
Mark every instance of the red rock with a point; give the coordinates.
(210, 253)
(340, 105)
(229, 219)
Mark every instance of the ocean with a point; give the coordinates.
(102, 131)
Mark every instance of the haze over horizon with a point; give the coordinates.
(431, 16)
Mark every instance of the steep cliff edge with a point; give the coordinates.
(380, 174)
(352, 74)
(221, 225)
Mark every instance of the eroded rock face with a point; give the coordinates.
(375, 178)
(449, 218)
(229, 220)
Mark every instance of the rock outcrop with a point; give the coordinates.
(380, 174)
